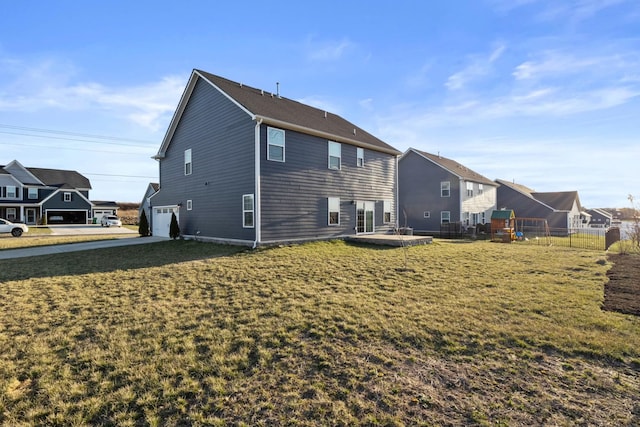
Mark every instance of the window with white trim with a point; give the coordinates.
(33, 193)
(426, 214)
(386, 211)
(67, 197)
(445, 189)
(445, 217)
(483, 217)
(335, 155)
(360, 157)
(188, 165)
(11, 192)
(189, 205)
(469, 189)
(275, 144)
(11, 214)
(247, 211)
(333, 205)
(480, 189)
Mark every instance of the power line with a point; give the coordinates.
(57, 147)
(75, 139)
(87, 135)
(123, 176)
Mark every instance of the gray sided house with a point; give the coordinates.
(600, 218)
(561, 209)
(434, 191)
(244, 166)
(145, 204)
(37, 195)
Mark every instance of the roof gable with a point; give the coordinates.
(279, 111)
(21, 174)
(454, 167)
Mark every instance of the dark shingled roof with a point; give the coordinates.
(455, 167)
(519, 187)
(61, 178)
(560, 200)
(287, 111)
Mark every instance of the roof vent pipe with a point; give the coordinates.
(278, 89)
(325, 114)
(354, 131)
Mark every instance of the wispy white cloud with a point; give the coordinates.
(329, 50)
(478, 67)
(53, 84)
(569, 11)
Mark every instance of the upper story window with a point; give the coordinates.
(469, 189)
(247, 211)
(360, 157)
(335, 155)
(67, 197)
(386, 212)
(334, 210)
(275, 144)
(12, 192)
(188, 166)
(445, 189)
(33, 193)
(480, 189)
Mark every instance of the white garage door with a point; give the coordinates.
(162, 220)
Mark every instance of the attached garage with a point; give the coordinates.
(66, 217)
(161, 220)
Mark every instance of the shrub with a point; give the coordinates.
(174, 228)
(143, 227)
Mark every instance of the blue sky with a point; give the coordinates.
(542, 92)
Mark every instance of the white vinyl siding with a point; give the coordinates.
(188, 165)
(333, 204)
(335, 155)
(247, 211)
(445, 189)
(275, 144)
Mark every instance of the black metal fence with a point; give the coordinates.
(583, 238)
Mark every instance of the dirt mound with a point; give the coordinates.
(622, 292)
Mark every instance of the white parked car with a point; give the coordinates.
(16, 230)
(109, 220)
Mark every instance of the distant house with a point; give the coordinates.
(435, 190)
(244, 166)
(36, 195)
(561, 209)
(600, 218)
(145, 204)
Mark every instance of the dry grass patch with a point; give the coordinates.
(186, 333)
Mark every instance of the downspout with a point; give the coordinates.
(461, 199)
(256, 197)
(397, 197)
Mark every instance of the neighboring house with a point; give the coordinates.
(561, 209)
(435, 190)
(600, 218)
(145, 205)
(101, 208)
(244, 166)
(32, 194)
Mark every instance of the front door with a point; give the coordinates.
(364, 217)
(31, 216)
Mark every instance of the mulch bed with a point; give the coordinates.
(622, 292)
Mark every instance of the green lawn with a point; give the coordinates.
(188, 333)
